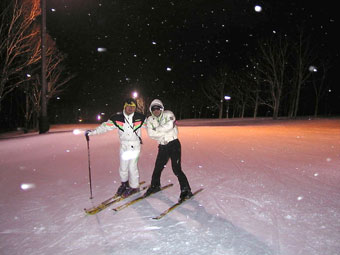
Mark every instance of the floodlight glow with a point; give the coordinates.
(313, 69)
(101, 49)
(134, 94)
(258, 8)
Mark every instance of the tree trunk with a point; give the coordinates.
(220, 114)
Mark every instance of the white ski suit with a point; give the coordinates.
(130, 143)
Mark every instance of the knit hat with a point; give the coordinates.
(130, 102)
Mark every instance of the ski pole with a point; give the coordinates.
(88, 156)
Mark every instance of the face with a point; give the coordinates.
(130, 109)
(156, 112)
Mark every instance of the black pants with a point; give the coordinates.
(171, 150)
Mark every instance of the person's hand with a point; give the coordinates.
(154, 126)
(87, 133)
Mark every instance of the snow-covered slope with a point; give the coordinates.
(269, 188)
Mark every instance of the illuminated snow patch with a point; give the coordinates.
(77, 132)
(152, 228)
(27, 186)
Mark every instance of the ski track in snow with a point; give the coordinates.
(270, 187)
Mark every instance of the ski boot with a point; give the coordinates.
(122, 188)
(185, 194)
(130, 191)
(152, 190)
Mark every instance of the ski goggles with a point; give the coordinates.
(156, 107)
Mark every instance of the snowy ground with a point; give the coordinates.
(269, 188)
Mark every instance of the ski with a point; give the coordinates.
(114, 199)
(175, 206)
(121, 207)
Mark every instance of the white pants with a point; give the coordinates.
(128, 169)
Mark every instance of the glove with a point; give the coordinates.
(87, 133)
(154, 126)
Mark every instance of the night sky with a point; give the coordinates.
(162, 48)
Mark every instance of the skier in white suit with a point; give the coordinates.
(128, 124)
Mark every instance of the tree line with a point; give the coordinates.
(274, 79)
(285, 76)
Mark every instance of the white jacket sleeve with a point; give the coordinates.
(151, 126)
(163, 130)
(103, 128)
(169, 123)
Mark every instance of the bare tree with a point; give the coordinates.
(20, 55)
(255, 86)
(56, 76)
(240, 92)
(32, 104)
(19, 42)
(301, 73)
(319, 85)
(214, 89)
(273, 60)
